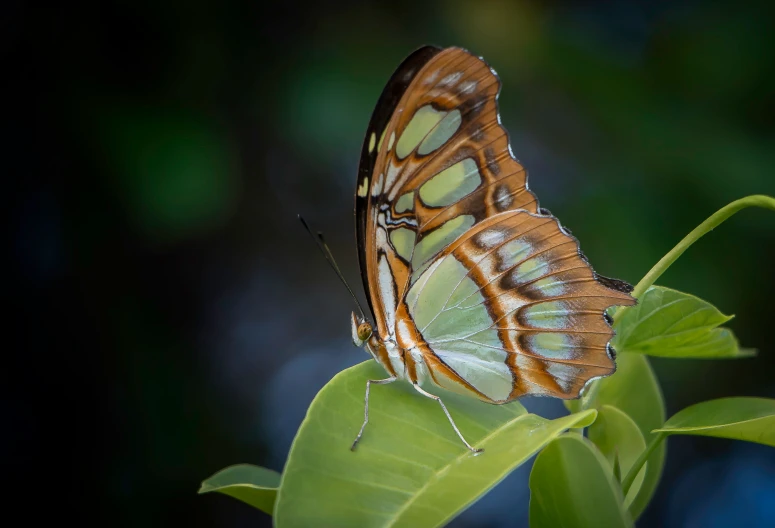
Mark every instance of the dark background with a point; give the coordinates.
(168, 314)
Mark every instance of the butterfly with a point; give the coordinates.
(473, 287)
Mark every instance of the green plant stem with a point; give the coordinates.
(635, 469)
(716, 219)
(755, 200)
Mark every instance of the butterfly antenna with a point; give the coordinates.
(323, 247)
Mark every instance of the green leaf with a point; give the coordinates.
(571, 485)
(616, 467)
(634, 390)
(621, 442)
(409, 469)
(254, 485)
(749, 419)
(669, 323)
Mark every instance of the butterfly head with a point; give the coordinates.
(361, 330)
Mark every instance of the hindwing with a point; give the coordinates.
(514, 309)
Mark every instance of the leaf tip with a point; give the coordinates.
(587, 418)
(204, 488)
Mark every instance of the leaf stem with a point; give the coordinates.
(635, 469)
(755, 200)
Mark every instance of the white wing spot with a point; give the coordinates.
(503, 197)
(377, 189)
(387, 293)
(430, 79)
(467, 87)
(392, 173)
(451, 79)
(381, 235)
(490, 238)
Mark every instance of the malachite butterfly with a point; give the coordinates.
(473, 287)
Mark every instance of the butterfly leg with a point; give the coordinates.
(449, 416)
(366, 406)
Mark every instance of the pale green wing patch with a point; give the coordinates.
(452, 184)
(434, 242)
(428, 297)
(402, 240)
(441, 133)
(405, 202)
(423, 121)
(483, 366)
(549, 315)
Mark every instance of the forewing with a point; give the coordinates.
(513, 308)
(440, 165)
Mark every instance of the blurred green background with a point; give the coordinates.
(170, 316)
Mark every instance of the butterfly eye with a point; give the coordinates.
(364, 331)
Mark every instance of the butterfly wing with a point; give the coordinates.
(455, 251)
(435, 162)
(511, 308)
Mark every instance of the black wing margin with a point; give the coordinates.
(386, 106)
